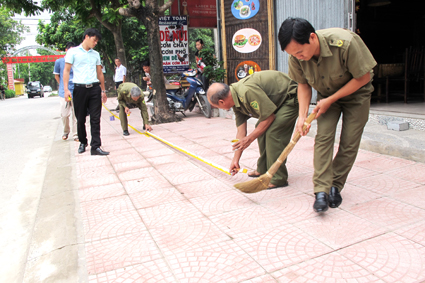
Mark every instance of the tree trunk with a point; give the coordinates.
(119, 45)
(162, 113)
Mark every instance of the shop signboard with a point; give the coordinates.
(247, 37)
(174, 43)
(201, 14)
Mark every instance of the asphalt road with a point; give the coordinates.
(33, 161)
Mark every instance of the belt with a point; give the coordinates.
(87, 85)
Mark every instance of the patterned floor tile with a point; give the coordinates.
(415, 197)
(183, 165)
(171, 158)
(99, 162)
(280, 247)
(148, 272)
(247, 219)
(178, 237)
(301, 157)
(384, 163)
(413, 173)
(303, 183)
(388, 213)
(296, 170)
(109, 205)
(203, 188)
(150, 198)
(221, 262)
(115, 253)
(131, 165)
(261, 279)
(137, 174)
(266, 196)
(339, 229)
(383, 184)
(110, 225)
(353, 195)
(391, 257)
(101, 192)
(414, 232)
(294, 208)
(95, 172)
(125, 158)
(187, 176)
(146, 184)
(173, 212)
(358, 172)
(328, 268)
(363, 155)
(158, 152)
(221, 202)
(98, 181)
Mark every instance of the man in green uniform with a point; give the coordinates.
(131, 93)
(338, 64)
(271, 97)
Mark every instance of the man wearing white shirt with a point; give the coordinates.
(89, 89)
(120, 73)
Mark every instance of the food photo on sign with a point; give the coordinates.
(246, 40)
(245, 69)
(245, 9)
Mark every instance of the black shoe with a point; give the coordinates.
(98, 151)
(335, 198)
(82, 148)
(126, 133)
(322, 202)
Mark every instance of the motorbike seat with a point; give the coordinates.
(170, 86)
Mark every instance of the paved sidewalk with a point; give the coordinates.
(153, 214)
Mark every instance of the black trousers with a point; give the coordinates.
(88, 99)
(117, 84)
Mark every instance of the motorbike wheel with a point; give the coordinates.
(205, 105)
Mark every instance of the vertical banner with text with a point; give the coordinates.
(10, 76)
(174, 43)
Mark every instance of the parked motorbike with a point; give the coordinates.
(180, 100)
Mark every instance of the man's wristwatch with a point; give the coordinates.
(103, 91)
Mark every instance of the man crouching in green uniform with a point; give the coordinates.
(131, 93)
(338, 64)
(271, 97)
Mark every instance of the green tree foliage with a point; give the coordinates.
(10, 36)
(29, 7)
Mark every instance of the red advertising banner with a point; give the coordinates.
(10, 76)
(31, 59)
(201, 14)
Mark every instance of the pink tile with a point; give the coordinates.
(115, 253)
(262, 279)
(390, 257)
(353, 195)
(111, 225)
(102, 192)
(178, 237)
(187, 176)
(172, 212)
(363, 155)
(384, 163)
(158, 152)
(147, 272)
(383, 184)
(150, 198)
(203, 188)
(247, 219)
(388, 213)
(125, 158)
(302, 183)
(296, 169)
(131, 165)
(265, 196)
(337, 228)
(183, 165)
(146, 184)
(293, 208)
(98, 181)
(81, 165)
(222, 262)
(95, 172)
(280, 247)
(327, 268)
(358, 173)
(414, 232)
(109, 205)
(171, 158)
(415, 197)
(137, 174)
(302, 157)
(221, 202)
(413, 173)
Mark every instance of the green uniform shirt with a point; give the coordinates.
(124, 98)
(261, 94)
(343, 56)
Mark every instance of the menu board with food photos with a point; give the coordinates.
(247, 37)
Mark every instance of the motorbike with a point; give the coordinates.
(180, 100)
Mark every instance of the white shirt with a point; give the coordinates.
(120, 72)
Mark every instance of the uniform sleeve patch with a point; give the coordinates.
(240, 98)
(255, 105)
(339, 43)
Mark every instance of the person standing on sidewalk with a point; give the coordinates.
(89, 89)
(120, 73)
(131, 93)
(67, 107)
(338, 64)
(270, 96)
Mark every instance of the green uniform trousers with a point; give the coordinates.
(355, 114)
(123, 116)
(275, 139)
